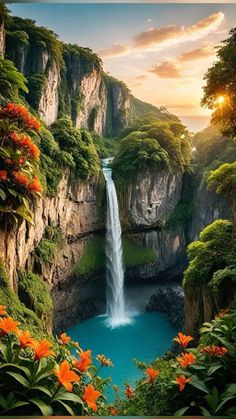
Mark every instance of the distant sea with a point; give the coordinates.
(195, 123)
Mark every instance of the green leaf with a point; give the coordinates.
(214, 368)
(68, 397)
(17, 404)
(68, 408)
(42, 389)
(24, 213)
(19, 367)
(2, 194)
(43, 407)
(195, 382)
(205, 411)
(12, 192)
(181, 411)
(223, 403)
(3, 402)
(18, 378)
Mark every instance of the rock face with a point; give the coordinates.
(207, 207)
(150, 199)
(168, 299)
(75, 210)
(49, 101)
(2, 38)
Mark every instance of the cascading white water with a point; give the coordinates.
(116, 311)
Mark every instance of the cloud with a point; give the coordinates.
(167, 70)
(197, 54)
(116, 50)
(141, 77)
(173, 34)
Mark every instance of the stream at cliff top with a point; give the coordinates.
(147, 338)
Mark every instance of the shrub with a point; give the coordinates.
(200, 381)
(45, 381)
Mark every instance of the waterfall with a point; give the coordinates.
(116, 312)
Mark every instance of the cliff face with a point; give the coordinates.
(150, 199)
(2, 38)
(75, 210)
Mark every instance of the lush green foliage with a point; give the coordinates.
(152, 144)
(223, 182)
(43, 381)
(221, 81)
(210, 389)
(16, 308)
(38, 38)
(11, 80)
(214, 251)
(34, 292)
(36, 83)
(79, 145)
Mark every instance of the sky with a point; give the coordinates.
(161, 51)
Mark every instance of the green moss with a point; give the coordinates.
(93, 257)
(136, 254)
(35, 294)
(15, 307)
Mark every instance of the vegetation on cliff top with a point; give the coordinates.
(150, 144)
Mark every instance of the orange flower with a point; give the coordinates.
(25, 142)
(35, 185)
(3, 175)
(186, 359)
(64, 339)
(65, 375)
(113, 411)
(213, 350)
(84, 362)
(90, 396)
(182, 381)
(25, 339)
(16, 111)
(75, 344)
(2, 310)
(8, 325)
(152, 374)
(21, 178)
(183, 340)
(106, 362)
(42, 349)
(129, 391)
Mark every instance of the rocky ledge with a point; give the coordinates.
(168, 299)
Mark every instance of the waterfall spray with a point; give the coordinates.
(116, 311)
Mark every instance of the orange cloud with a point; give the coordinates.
(197, 54)
(173, 34)
(167, 70)
(116, 50)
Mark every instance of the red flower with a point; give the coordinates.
(17, 111)
(3, 175)
(21, 178)
(186, 359)
(90, 396)
(213, 350)
(113, 411)
(183, 340)
(66, 376)
(152, 374)
(129, 391)
(35, 185)
(182, 381)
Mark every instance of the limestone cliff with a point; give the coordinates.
(75, 210)
(2, 38)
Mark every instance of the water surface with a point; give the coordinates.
(147, 338)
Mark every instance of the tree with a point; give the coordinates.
(220, 89)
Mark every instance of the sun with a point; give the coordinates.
(220, 100)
